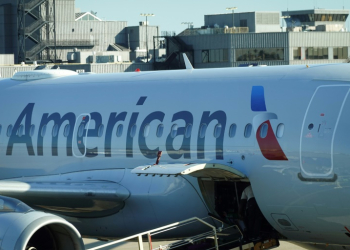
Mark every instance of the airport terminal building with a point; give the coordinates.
(42, 30)
(311, 37)
(45, 30)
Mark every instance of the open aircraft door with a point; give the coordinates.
(217, 183)
(212, 171)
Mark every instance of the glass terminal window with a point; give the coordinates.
(260, 54)
(297, 53)
(215, 55)
(316, 53)
(340, 53)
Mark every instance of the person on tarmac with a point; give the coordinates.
(250, 209)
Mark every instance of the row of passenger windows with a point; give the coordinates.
(173, 132)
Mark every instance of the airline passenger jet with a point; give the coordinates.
(111, 155)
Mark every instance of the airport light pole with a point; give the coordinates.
(188, 23)
(146, 15)
(233, 12)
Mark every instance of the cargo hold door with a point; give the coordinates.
(203, 170)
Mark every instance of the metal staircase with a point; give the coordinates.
(35, 22)
(37, 25)
(33, 4)
(224, 237)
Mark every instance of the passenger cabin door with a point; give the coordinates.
(318, 130)
(80, 135)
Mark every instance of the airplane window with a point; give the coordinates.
(173, 131)
(119, 130)
(43, 131)
(217, 130)
(0, 128)
(100, 130)
(133, 130)
(20, 130)
(32, 130)
(263, 130)
(280, 130)
(188, 130)
(232, 131)
(311, 126)
(81, 130)
(9, 130)
(202, 130)
(66, 130)
(55, 130)
(160, 130)
(146, 130)
(248, 130)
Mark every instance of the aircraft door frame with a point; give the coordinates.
(79, 142)
(318, 130)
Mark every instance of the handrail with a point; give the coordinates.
(174, 225)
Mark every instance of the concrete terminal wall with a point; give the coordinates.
(7, 59)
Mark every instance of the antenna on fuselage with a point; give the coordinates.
(187, 62)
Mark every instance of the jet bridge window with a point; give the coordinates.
(160, 130)
(232, 130)
(20, 130)
(9, 130)
(119, 130)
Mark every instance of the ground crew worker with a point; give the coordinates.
(251, 213)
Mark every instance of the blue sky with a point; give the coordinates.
(170, 13)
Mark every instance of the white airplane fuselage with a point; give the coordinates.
(300, 173)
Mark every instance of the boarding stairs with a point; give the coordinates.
(224, 237)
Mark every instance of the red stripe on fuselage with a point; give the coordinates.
(269, 146)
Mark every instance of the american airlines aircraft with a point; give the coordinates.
(112, 155)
